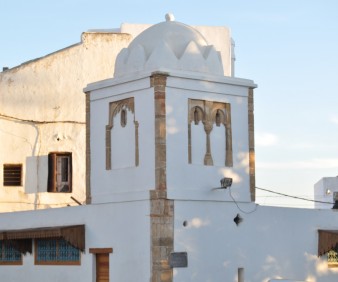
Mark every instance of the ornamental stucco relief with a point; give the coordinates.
(210, 115)
(119, 116)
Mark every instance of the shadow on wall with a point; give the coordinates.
(282, 252)
(36, 174)
(52, 173)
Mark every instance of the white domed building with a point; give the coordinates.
(170, 181)
(169, 45)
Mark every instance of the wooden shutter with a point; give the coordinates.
(51, 172)
(56, 173)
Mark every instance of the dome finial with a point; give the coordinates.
(169, 17)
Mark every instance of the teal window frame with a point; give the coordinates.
(8, 254)
(56, 251)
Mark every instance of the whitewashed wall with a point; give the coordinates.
(49, 89)
(121, 226)
(132, 182)
(188, 181)
(43, 110)
(323, 192)
(195, 181)
(270, 243)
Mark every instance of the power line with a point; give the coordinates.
(294, 197)
(246, 212)
(39, 122)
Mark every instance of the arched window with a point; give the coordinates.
(196, 120)
(218, 118)
(123, 117)
(122, 111)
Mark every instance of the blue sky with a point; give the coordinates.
(289, 48)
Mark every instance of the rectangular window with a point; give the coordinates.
(332, 258)
(55, 251)
(60, 172)
(8, 254)
(12, 175)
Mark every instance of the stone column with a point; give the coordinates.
(162, 209)
(208, 125)
(88, 187)
(208, 158)
(251, 145)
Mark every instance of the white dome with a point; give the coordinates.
(171, 45)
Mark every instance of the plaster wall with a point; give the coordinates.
(197, 181)
(29, 146)
(323, 192)
(123, 227)
(270, 243)
(133, 182)
(184, 181)
(43, 110)
(123, 154)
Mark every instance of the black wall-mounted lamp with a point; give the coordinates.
(226, 182)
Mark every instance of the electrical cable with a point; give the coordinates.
(294, 197)
(39, 122)
(243, 211)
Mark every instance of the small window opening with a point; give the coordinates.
(332, 258)
(12, 175)
(60, 172)
(218, 118)
(123, 118)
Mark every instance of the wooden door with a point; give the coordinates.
(102, 267)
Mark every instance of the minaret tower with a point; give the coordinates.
(168, 127)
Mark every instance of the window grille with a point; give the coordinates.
(8, 254)
(332, 258)
(55, 251)
(12, 175)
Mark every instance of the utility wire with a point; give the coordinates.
(39, 122)
(294, 197)
(243, 211)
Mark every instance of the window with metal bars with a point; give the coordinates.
(12, 175)
(8, 254)
(51, 251)
(60, 172)
(332, 258)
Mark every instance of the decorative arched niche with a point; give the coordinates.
(209, 133)
(122, 135)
